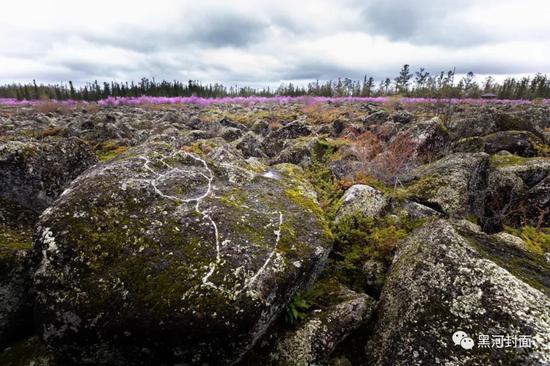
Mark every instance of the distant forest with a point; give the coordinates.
(407, 83)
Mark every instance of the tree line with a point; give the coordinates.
(419, 84)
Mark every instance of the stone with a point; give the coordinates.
(313, 342)
(275, 141)
(520, 143)
(34, 174)
(174, 256)
(363, 200)
(442, 282)
(455, 185)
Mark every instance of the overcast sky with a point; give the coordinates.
(259, 42)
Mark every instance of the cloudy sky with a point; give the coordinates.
(257, 42)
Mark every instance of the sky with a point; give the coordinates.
(257, 42)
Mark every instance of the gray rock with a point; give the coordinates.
(34, 174)
(439, 284)
(250, 144)
(231, 134)
(275, 141)
(302, 152)
(517, 192)
(260, 127)
(520, 143)
(228, 123)
(16, 300)
(415, 210)
(377, 117)
(164, 255)
(313, 342)
(430, 137)
(375, 273)
(455, 185)
(402, 116)
(489, 120)
(364, 200)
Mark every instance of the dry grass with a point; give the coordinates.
(385, 161)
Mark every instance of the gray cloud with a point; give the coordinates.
(257, 41)
(424, 22)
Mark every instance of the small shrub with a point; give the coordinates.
(296, 310)
(358, 239)
(393, 103)
(51, 131)
(385, 161)
(47, 107)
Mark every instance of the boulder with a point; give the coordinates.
(430, 138)
(303, 151)
(455, 185)
(231, 133)
(313, 342)
(275, 141)
(231, 124)
(520, 143)
(376, 117)
(34, 174)
(489, 120)
(16, 300)
(174, 256)
(517, 192)
(364, 200)
(260, 127)
(16, 268)
(443, 281)
(250, 144)
(402, 116)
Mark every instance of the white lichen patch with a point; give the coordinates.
(49, 249)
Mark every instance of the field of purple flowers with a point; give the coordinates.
(144, 100)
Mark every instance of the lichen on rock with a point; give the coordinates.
(165, 254)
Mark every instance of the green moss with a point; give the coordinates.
(530, 267)
(536, 241)
(108, 150)
(30, 351)
(498, 161)
(12, 240)
(426, 186)
(359, 238)
(542, 149)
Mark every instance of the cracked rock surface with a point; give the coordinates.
(442, 282)
(173, 255)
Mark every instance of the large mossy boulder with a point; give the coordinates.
(16, 268)
(430, 139)
(446, 279)
(175, 256)
(34, 174)
(488, 120)
(518, 192)
(454, 185)
(15, 284)
(520, 143)
(277, 139)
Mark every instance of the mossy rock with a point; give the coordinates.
(170, 256)
(15, 284)
(27, 352)
(34, 174)
(440, 282)
(455, 185)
